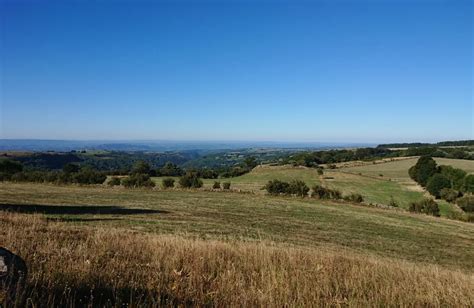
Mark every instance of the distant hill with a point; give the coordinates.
(418, 144)
(158, 145)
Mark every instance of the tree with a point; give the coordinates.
(170, 169)
(250, 162)
(9, 167)
(436, 183)
(424, 168)
(455, 175)
(71, 168)
(468, 184)
(141, 167)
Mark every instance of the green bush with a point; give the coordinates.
(277, 187)
(321, 192)
(167, 183)
(320, 171)
(114, 181)
(436, 183)
(449, 194)
(216, 185)
(190, 180)
(226, 185)
(298, 188)
(138, 180)
(353, 197)
(392, 202)
(88, 176)
(426, 206)
(466, 203)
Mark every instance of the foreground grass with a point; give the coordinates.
(71, 266)
(251, 217)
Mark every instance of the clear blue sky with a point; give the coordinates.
(343, 71)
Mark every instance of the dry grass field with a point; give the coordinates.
(96, 266)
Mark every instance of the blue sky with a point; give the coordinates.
(342, 71)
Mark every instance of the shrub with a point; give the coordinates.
(250, 162)
(63, 178)
(217, 185)
(167, 183)
(320, 171)
(436, 183)
(392, 202)
(353, 197)
(298, 188)
(321, 192)
(426, 206)
(88, 176)
(19, 177)
(466, 203)
(226, 185)
(449, 194)
(114, 181)
(138, 180)
(277, 187)
(190, 180)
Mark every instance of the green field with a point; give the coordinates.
(398, 170)
(253, 217)
(377, 183)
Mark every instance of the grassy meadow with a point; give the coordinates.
(110, 246)
(378, 183)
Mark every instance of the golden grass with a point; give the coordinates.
(72, 266)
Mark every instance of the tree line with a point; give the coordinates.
(444, 182)
(316, 158)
